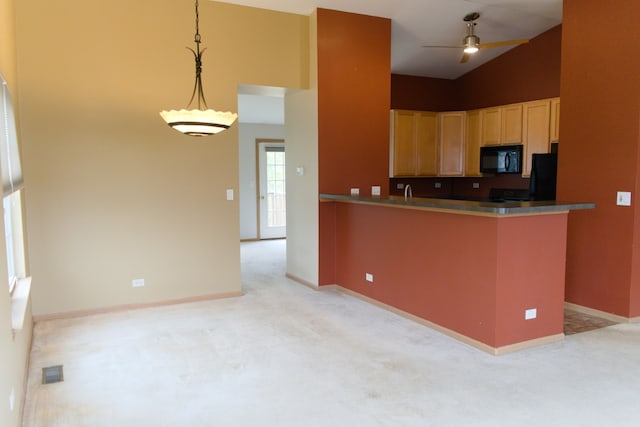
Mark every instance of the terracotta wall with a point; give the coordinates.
(599, 155)
(354, 74)
(525, 73)
(419, 269)
(422, 93)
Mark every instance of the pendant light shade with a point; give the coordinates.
(203, 120)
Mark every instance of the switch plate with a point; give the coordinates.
(476, 185)
(623, 198)
(531, 313)
(12, 399)
(137, 283)
(229, 193)
(400, 186)
(437, 185)
(299, 170)
(375, 190)
(368, 277)
(355, 191)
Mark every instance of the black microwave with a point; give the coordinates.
(501, 159)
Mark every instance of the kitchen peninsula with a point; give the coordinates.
(489, 274)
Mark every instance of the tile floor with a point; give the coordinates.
(285, 355)
(576, 322)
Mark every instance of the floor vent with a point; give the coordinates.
(52, 374)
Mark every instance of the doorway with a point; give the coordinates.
(272, 206)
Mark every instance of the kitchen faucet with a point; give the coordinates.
(408, 194)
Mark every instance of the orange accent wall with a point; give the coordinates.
(599, 152)
(354, 60)
(475, 275)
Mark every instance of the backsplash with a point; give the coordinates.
(456, 186)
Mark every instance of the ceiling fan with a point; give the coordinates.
(471, 43)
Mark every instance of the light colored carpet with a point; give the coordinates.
(285, 355)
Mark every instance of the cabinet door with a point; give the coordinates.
(426, 143)
(403, 149)
(511, 124)
(451, 131)
(555, 120)
(490, 118)
(473, 141)
(535, 130)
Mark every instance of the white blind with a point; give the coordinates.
(9, 152)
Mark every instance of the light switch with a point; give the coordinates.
(375, 190)
(229, 193)
(623, 198)
(299, 170)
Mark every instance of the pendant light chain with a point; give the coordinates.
(197, 89)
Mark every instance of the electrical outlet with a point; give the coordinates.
(400, 186)
(137, 283)
(368, 277)
(623, 198)
(375, 190)
(355, 191)
(437, 185)
(531, 313)
(476, 185)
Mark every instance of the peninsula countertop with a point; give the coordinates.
(464, 206)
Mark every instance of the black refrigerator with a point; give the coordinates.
(542, 184)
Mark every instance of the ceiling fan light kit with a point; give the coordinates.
(471, 42)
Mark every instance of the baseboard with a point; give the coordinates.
(302, 281)
(126, 307)
(602, 314)
(496, 351)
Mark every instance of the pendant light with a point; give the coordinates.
(203, 120)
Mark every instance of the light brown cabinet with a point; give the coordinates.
(451, 142)
(535, 131)
(502, 125)
(472, 146)
(555, 120)
(414, 145)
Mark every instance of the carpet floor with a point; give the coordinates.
(286, 355)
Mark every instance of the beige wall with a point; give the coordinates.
(301, 133)
(113, 193)
(14, 348)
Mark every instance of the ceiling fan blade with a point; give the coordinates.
(465, 57)
(446, 47)
(502, 43)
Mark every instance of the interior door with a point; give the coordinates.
(272, 191)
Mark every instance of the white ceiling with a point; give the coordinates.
(416, 23)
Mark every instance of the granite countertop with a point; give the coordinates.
(464, 206)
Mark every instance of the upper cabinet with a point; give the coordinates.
(555, 120)
(413, 148)
(425, 143)
(472, 146)
(535, 131)
(451, 142)
(501, 125)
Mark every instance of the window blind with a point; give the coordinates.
(9, 151)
